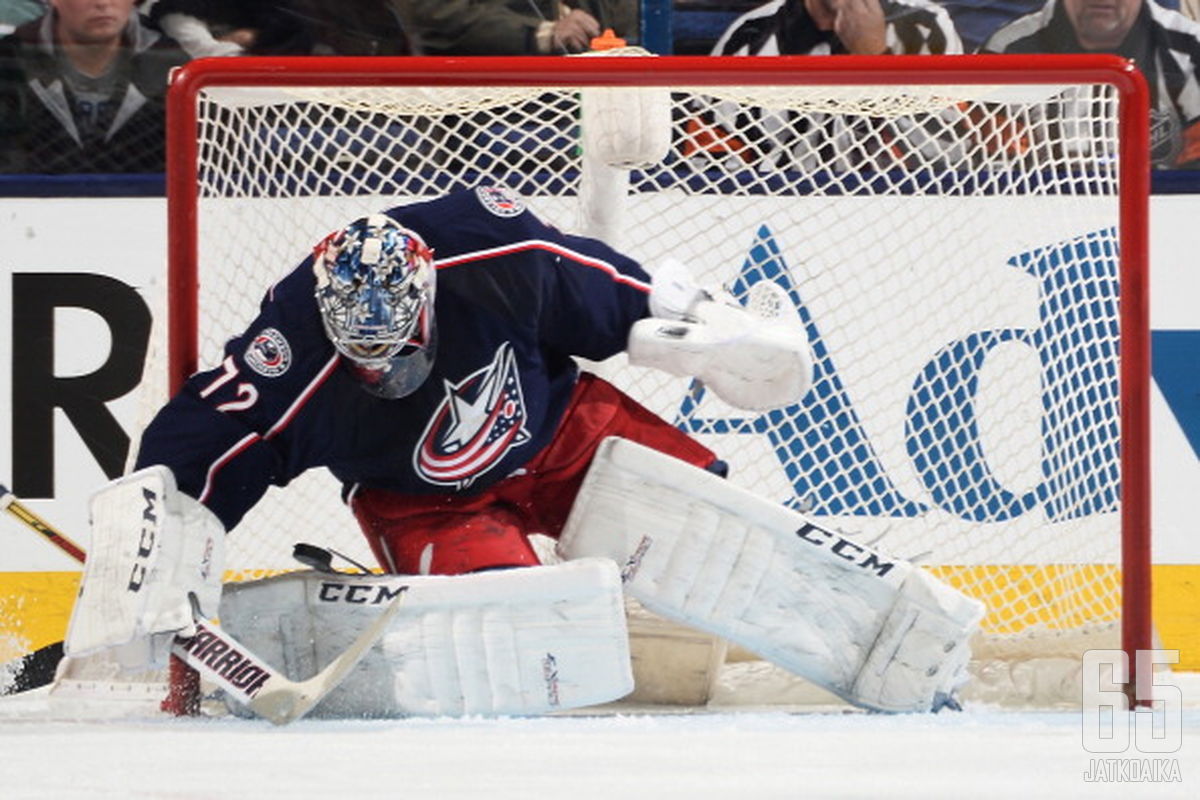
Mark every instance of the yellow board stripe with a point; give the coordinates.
(34, 609)
(1056, 596)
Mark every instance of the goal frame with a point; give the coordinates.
(668, 71)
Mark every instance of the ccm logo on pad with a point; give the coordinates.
(844, 548)
(373, 594)
(141, 562)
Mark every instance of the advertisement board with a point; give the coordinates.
(79, 277)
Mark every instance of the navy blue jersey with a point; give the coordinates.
(515, 300)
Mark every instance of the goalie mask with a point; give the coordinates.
(375, 289)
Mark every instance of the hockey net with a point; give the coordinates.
(963, 240)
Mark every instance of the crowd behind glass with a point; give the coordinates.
(82, 82)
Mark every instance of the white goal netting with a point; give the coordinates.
(952, 251)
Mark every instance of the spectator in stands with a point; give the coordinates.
(976, 20)
(18, 12)
(514, 27)
(1165, 45)
(81, 90)
(280, 27)
(785, 140)
(824, 27)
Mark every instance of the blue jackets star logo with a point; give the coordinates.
(480, 419)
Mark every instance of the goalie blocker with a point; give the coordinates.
(875, 630)
(156, 560)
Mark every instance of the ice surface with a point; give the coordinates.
(49, 751)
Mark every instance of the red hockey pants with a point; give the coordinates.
(452, 534)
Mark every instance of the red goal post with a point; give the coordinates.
(759, 149)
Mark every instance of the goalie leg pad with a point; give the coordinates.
(695, 548)
(512, 642)
(921, 650)
(152, 546)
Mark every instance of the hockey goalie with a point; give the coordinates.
(425, 355)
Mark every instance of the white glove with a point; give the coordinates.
(153, 550)
(673, 291)
(748, 361)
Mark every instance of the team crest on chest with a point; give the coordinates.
(481, 418)
(269, 353)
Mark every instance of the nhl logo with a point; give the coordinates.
(1166, 140)
(269, 354)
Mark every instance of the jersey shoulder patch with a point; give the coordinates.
(269, 353)
(500, 200)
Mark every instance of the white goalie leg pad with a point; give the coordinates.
(873, 629)
(151, 547)
(509, 642)
(922, 649)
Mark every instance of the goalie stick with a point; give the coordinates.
(9, 502)
(215, 654)
(37, 668)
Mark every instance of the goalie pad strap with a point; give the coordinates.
(873, 629)
(511, 642)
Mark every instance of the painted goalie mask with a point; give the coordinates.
(375, 290)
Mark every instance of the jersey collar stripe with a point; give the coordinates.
(226, 457)
(551, 247)
(303, 397)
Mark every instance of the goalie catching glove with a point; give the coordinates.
(754, 357)
(155, 560)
